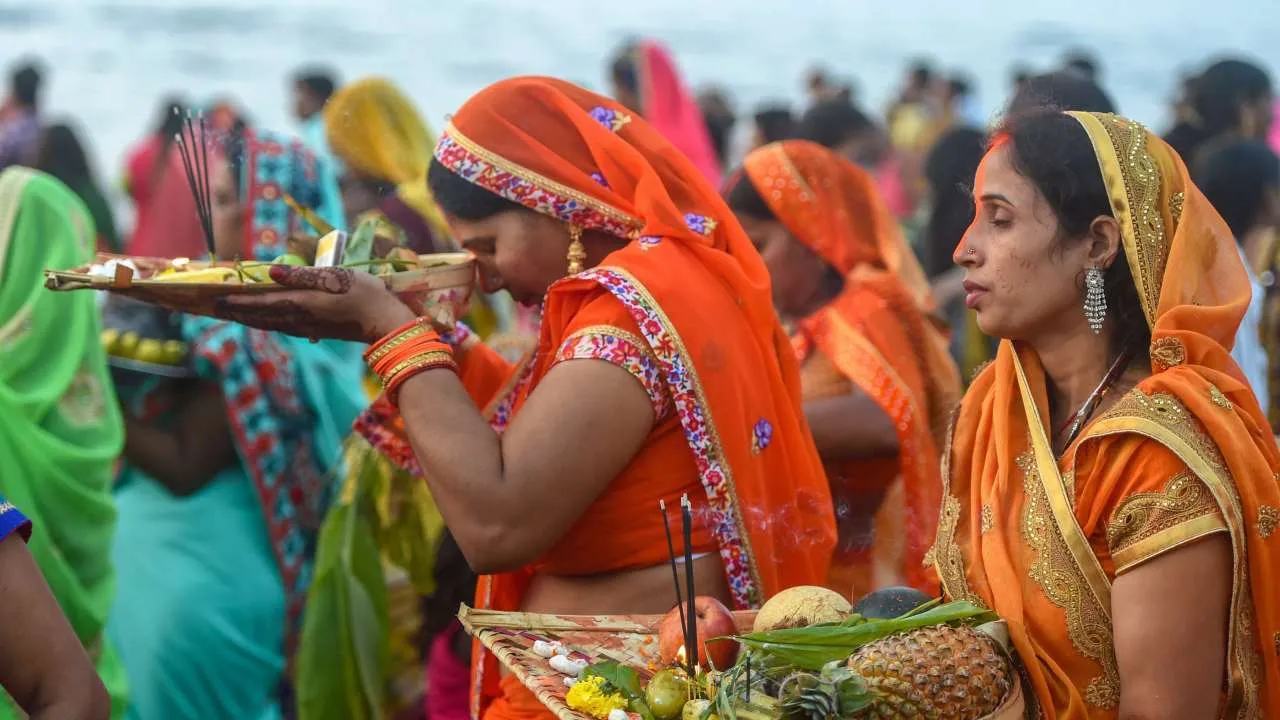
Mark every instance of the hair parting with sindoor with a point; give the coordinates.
(1053, 151)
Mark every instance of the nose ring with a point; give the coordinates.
(970, 251)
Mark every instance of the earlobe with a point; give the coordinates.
(1106, 241)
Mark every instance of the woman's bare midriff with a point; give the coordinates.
(645, 591)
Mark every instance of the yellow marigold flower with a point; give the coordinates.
(588, 696)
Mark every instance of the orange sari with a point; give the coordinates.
(688, 292)
(877, 335)
(1187, 453)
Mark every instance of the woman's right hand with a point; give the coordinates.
(333, 303)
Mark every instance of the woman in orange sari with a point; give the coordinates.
(878, 382)
(1111, 489)
(660, 370)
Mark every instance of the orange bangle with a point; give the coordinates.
(417, 328)
(399, 374)
(407, 350)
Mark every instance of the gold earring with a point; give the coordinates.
(577, 253)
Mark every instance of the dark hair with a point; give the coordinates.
(1215, 96)
(623, 69)
(1082, 62)
(744, 199)
(718, 116)
(26, 84)
(833, 122)
(455, 584)
(1053, 151)
(921, 72)
(463, 199)
(775, 123)
(319, 83)
(1235, 177)
(62, 156)
(959, 85)
(169, 122)
(1060, 90)
(1020, 75)
(949, 169)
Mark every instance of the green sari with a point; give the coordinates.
(61, 430)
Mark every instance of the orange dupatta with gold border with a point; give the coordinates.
(699, 294)
(877, 332)
(1011, 534)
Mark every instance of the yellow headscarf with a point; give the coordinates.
(374, 128)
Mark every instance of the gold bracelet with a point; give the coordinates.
(391, 344)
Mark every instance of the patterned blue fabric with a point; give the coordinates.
(11, 520)
(274, 165)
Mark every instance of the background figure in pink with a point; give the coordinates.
(645, 79)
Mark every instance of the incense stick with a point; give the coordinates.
(195, 163)
(691, 639)
(675, 574)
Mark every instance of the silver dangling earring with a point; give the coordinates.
(1095, 301)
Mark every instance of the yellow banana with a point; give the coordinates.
(204, 275)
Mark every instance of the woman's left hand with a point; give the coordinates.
(332, 303)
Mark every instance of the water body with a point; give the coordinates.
(110, 61)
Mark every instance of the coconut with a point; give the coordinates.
(801, 606)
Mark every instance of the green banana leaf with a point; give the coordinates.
(343, 658)
(811, 648)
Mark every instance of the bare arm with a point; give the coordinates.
(42, 664)
(508, 499)
(1169, 616)
(850, 426)
(186, 453)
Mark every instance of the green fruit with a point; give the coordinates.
(666, 694)
(291, 259)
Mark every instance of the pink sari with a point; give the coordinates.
(1273, 138)
(669, 106)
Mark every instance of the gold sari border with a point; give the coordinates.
(1113, 178)
(1166, 540)
(1242, 689)
(1059, 504)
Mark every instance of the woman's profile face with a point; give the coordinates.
(795, 271)
(358, 194)
(520, 251)
(1021, 282)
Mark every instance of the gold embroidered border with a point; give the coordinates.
(1148, 524)
(946, 556)
(1162, 418)
(1166, 540)
(1133, 186)
(1057, 572)
(713, 434)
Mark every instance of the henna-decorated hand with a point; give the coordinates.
(333, 303)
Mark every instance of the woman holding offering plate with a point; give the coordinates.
(660, 370)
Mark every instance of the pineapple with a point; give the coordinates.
(942, 672)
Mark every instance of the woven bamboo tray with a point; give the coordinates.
(630, 640)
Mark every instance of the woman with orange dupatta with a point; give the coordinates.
(646, 79)
(1111, 489)
(878, 383)
(660, 370)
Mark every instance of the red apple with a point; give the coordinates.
(714, 621)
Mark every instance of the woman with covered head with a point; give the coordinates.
(661, 370)
(878, 382)
(1110, 482)
(646, 80)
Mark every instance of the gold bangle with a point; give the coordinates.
(395, 342)
(436, 356)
